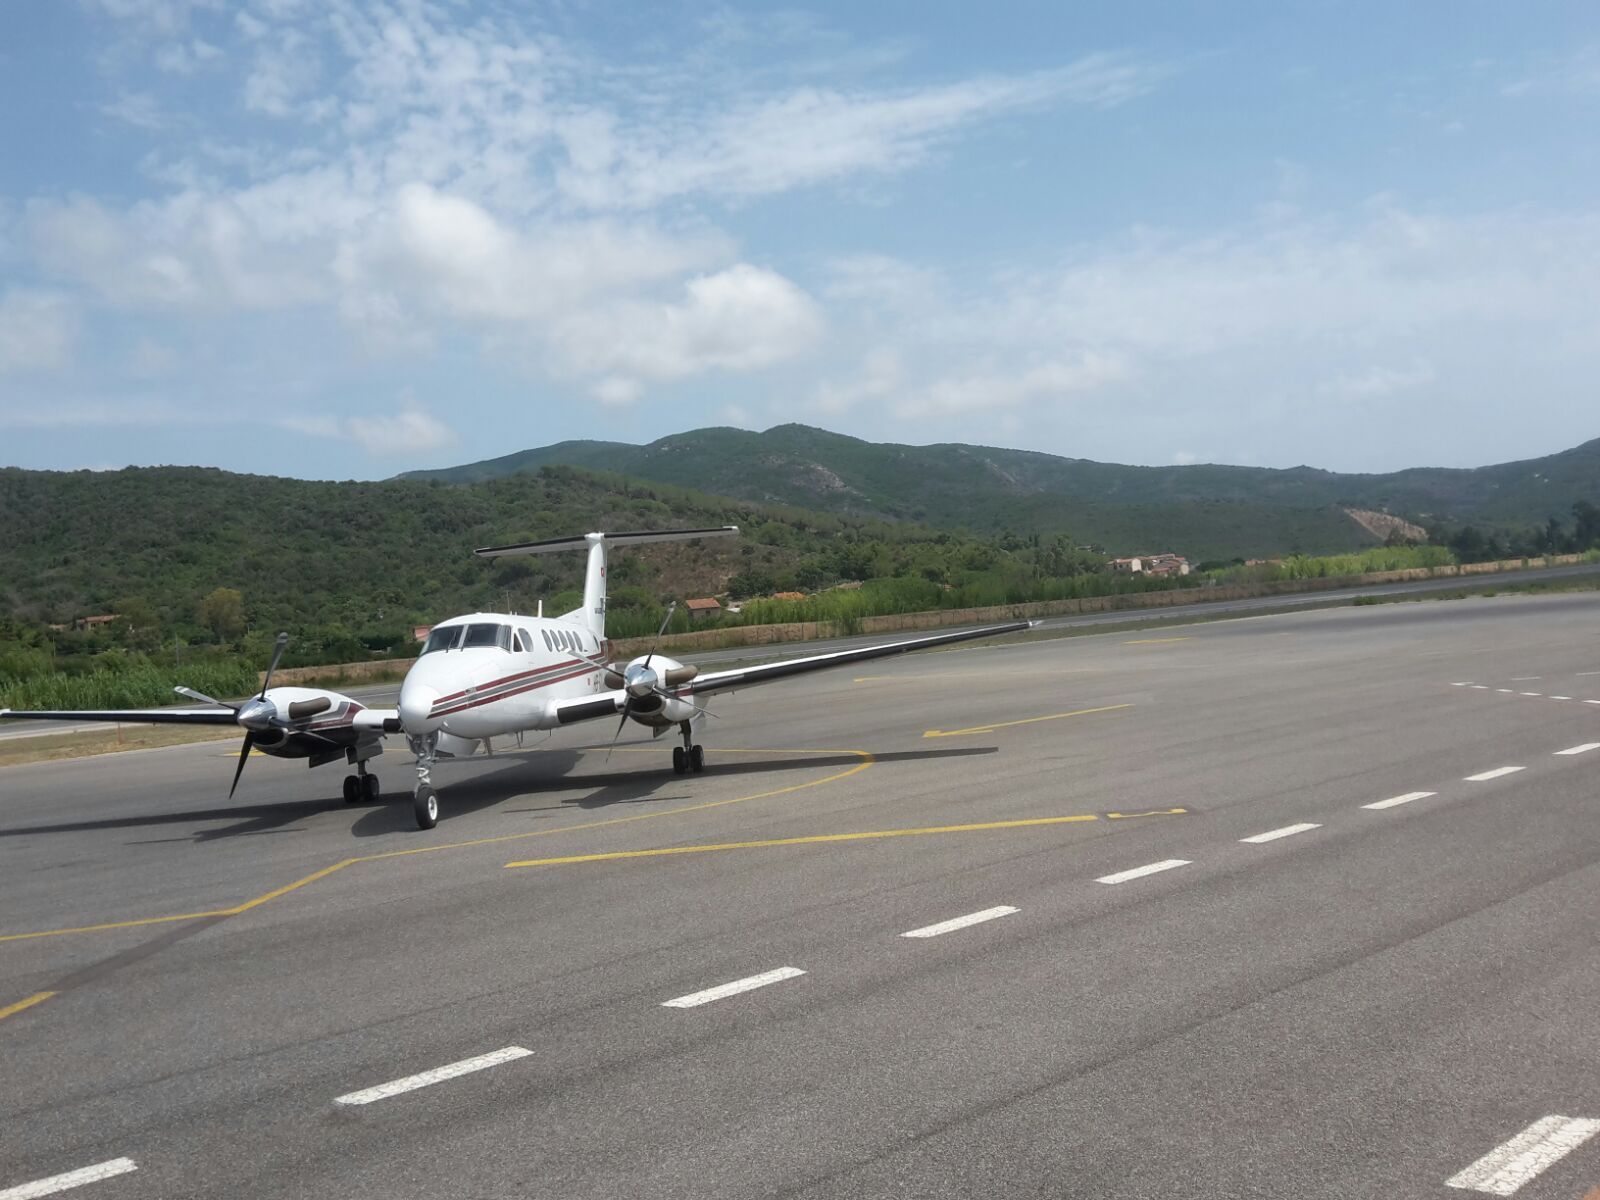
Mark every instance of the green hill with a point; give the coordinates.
(368, 560)
(1206, 511)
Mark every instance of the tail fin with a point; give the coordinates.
(593, 612)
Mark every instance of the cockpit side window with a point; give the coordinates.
(447, 638)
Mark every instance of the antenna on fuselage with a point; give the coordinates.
(541, 608)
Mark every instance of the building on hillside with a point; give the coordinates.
(1152, 564)
(788, 595)
(703, 609)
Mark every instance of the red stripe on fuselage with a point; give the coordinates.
(532, 687)
(478, 687)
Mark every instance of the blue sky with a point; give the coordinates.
(343, 239)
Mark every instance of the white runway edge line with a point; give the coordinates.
(955, 923)
(1406, 799)
(1141, 872)
(1273, 835)
(72, 1179)
(1510, 1165)
(438, 1075)
(1583, 749)
(694, 999)
(1483, 776)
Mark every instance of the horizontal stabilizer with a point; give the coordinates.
(553, 545)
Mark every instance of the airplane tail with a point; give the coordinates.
(593, 613)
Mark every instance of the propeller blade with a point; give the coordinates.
(626, 704)
(244, 754)
(277, 653)
(301, 709)
(660, 633)
(678, 676)
(204, 699)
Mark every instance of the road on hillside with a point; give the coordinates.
(1303, 907)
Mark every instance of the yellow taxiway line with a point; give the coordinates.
(819, 838)
(993, 725)
(12, 1010)
(865, 756)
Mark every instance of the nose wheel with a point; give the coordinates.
(425, 806)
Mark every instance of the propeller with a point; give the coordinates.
(258, 716)
(638, 681)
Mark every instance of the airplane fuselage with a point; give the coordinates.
(489, 674)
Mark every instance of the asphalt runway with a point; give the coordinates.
(702, 986)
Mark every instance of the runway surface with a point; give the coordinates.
(1293, 906)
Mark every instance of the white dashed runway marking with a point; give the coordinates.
(1483, 776)
(438, 1075)
(955, 923)
(1141, 872)
(1510, 1165)
(1394, 800)
(1583, 749)
(72, 1179)
(694, 999)
(1273, 835)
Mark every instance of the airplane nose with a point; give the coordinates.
(416, 703)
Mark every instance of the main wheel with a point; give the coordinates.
(697, 758)
(352, 789)
(680, 762)
(371, 791)
(425, 806)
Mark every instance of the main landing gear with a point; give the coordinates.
(689, 756)
(362, 787)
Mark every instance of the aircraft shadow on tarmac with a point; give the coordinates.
(520, 778)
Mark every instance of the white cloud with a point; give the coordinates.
(739, 319)
(614, 391)
(408, 432)
(37, 330)
(1185, 458)
(1378, 382)
(1051, 383)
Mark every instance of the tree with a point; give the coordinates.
(1586, 536)
(222, 611)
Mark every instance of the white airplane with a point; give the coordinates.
(489, 675)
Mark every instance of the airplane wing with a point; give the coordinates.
(127, 716)
(608, 704)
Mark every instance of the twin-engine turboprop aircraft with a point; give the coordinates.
(489, 675)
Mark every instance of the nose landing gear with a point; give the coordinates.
(424, 800)
(689, 756)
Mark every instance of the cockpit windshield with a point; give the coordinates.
(488, 635)
(466, 637)
(447, 638)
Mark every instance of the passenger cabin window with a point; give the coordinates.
(548, 644)
(447, 638)
(523, 645)
(487, 635)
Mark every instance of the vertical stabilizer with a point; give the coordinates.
(594, 587)
(593, 613)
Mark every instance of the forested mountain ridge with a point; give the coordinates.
(369, 559)
(1205, 510)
